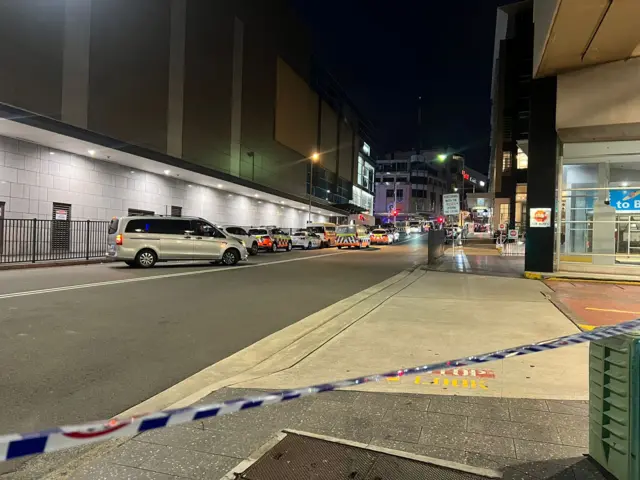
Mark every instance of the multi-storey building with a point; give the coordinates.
(192, 107)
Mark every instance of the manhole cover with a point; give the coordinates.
(298, 457)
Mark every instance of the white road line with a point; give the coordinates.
(157, 277)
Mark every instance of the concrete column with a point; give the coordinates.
(75, 62)
(175, 106)
(236, 97)
(604, 227)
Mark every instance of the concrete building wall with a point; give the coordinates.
(31, 179)
(600, 103)
(31, 46)
(544, 12)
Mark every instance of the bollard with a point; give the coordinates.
(435, 243)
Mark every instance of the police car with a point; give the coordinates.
(271, 238)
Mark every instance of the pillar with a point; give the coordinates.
(541, 174)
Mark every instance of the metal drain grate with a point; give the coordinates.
(298, 457)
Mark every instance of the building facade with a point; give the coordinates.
(213, 109)
(412, 184)
(583, 149)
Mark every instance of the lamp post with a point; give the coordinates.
(312, 158)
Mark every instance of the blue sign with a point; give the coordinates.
(625, 200)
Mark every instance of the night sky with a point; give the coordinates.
(387, 53)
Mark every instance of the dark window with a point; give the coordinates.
(205, 229)
(399, 194)
(389, 193)
(258, 231)
(157, 225)
(401, 179)
(134, 212)
(236, 231)
(176, 211)
(387, 179)
(113, 226)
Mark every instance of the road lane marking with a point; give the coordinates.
(157, 277)
(610, 310)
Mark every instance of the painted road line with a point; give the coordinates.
(594, 309)
(159, 277)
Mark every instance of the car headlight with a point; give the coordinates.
(243, 244)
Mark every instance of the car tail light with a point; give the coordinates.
(119, 239)
(266, 239)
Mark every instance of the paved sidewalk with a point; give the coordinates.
(524, 416)
(595, 304)
(523, 439)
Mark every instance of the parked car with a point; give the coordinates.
(143, 241)
(306, 240)
(249, 241)
(381, 236)
(271, 238)
(394, 232)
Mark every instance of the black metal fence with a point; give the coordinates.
(33, 240)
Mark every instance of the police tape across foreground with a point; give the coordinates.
(45, 441)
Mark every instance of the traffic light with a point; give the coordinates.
(394, 213)
(440, 219)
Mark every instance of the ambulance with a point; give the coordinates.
(326, 231)
(352, 236)
(271, 238)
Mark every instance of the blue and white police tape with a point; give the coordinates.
(20, 445)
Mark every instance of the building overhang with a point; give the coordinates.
(572, 34)
(58, 136)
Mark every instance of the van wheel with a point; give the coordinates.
(131, 263)
(230, 257)
(146, 258)
(254, 249)
(274, 247)
(289, 247)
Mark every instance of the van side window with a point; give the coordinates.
(170, 227)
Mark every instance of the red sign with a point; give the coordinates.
(540, 216)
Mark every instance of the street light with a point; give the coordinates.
(313, 158)
(442, 157)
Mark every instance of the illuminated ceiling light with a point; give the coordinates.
(260, 202)
(189, 185)
(230, 195)
(388, 173)
(91, 152)
(442, 157)
(481, 183)
(256, 195)
(133, 171)
(219, 185)
(167, 172)
(315, 156)
(281, 201)
(52, 153)
(625, 184)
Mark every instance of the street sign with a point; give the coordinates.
(539, 217)
(502, 226)
(513, 234)
(451, 204)
(61, 215)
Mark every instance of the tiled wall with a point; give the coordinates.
(31, 179)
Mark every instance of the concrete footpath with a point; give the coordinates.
(524, 418)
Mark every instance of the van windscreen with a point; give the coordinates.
(113, 226)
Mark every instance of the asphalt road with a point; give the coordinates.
(88, 342)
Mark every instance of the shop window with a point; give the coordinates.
(389, 193)
(504, 213)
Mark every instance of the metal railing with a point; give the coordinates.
(32, 240)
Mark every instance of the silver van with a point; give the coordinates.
(144, 240)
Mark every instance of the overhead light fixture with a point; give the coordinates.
(230, 195)
(189, 185)
(281, 201)
(91, 152)
(328, 191)
(132, 171)
(260, 201)
(481, 183)
(625, 184)
(167, 172)
(52, 153)
(219, 185)
(256, 195)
